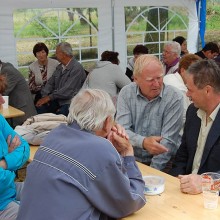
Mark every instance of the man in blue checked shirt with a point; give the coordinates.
(151, 113)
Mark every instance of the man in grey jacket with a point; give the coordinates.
(85, 170)
(18, 91)
(65, 83)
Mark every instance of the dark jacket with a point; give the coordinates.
(18, 91)
(64, 84)
(210, 161)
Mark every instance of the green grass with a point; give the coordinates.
(50, 19)
(213, 14)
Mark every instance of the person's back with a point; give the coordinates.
(18, 91)
(109, 77)
(78, 173)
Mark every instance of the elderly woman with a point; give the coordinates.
(14, 152)
(40, 70)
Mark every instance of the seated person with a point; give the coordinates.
(14, 152)
(151, 113)
(87, 167)
(199, 151)
(18, 91)
(137, 51)
(182, 41)
(171, 57)
(178, 79)
(65, 83)
(40, 70)
(107, 75)
(209, 51)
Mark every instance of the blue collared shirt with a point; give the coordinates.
(162, 116)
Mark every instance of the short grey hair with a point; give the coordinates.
(175, 47)
(144, 60)
(66, 48)
(90, 108)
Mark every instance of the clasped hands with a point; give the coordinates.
(120, 140)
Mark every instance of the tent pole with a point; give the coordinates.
(199, 38)
(113, 24)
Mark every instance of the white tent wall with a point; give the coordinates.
(109, 37)
(190, 5)
(7, 43)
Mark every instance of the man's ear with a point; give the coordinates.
(107, 123)
(135, 79)
(209, 89)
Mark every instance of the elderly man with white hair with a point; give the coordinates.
(151, 113)
(87, 168)
(171, 57)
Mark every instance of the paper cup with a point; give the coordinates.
(210, 189)
(5, 105)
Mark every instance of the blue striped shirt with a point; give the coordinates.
(162, 116)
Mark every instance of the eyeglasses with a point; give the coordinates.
(168, 52)
(151, 79)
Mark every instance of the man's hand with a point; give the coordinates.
(120, 140)
(191, 184)
(3, 164)
(43, 101)
(122, 145)
(153, 146)
(120, 131)
(13, 143)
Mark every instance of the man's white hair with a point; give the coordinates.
(175, 47)
(90, 108)
(143, 60)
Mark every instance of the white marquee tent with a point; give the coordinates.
(111, 34)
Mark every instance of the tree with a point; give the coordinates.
(157, 18)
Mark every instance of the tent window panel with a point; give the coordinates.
(78, 26)
(90, 53)
(154, 25)
(135, 38)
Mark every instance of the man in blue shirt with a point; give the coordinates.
(151, 113)
(85, 170)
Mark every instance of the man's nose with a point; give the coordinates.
(156, 82)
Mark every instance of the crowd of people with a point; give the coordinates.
(163, 113)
